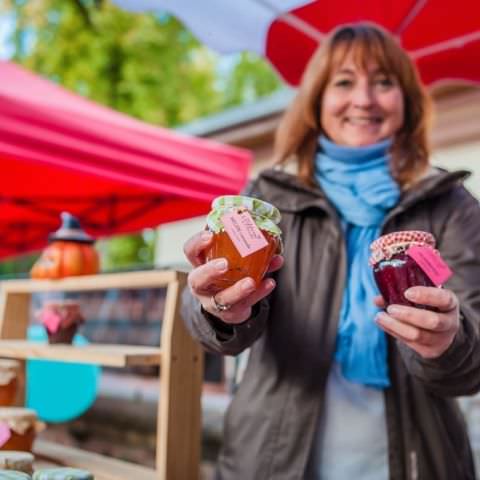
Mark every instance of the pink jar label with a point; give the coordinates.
(243, 232)
(431, 263)
(51, 320)
(5, 434)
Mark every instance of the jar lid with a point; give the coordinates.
(13, 475)
(266, 215)
(13, 460)
(7, 413)
(391, 243)
(8, 373)
(62, 474)
(18, 419)
(9, 364)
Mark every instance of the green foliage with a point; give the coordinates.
(127, 251)
(16, 267)
(251, 78)
(147, 66)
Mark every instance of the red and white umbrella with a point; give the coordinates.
(442, 36)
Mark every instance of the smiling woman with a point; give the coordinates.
(327, 368)
(361, 106)
(360, 87)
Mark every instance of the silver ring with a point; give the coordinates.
(220, 307)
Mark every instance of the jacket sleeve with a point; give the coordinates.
(457, 371)
(217, 336)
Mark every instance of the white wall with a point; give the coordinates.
(463, 156)
(170, 240)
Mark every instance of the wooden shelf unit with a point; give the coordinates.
(180, 357)
(106, 355)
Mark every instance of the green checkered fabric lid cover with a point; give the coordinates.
(62, 474)
(265, 215)
(12, 475)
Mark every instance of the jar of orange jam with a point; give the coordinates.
(255, 225)
(21, 425)
(9, 373)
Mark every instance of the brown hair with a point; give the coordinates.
(300, 127)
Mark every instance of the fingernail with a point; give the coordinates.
(381, 317)
(248, 284)
(206, 236)
(411, 294)
(394, 310)
(220, 264)
(271, 283)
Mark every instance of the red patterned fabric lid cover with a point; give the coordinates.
(387, 245)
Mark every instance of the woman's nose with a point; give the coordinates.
(362, 96)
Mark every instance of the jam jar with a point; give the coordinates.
(61, 320)
(394, 270)
(17, 461)
(63, 473)
(14, 475)
(241, 264)
(9, 377)
(22, 424)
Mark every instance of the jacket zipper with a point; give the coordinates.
(413, 465)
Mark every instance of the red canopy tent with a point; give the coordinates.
(59, 152)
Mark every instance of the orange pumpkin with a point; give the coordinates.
(63, 258)
(70, 252)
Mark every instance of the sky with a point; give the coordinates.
(6, 26)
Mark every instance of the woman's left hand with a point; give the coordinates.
(428, 333)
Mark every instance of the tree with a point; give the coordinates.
(150, 67)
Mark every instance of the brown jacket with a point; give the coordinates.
(271, 422)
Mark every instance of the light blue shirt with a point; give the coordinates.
(351, 440)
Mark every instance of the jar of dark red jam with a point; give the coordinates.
(394, 270)
(265, 217)
(67, 319)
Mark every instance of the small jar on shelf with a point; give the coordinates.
(17, 461)
(18, 428)
(62, 474)
(9, 378)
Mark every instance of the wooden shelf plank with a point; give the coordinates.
(145, 279)
(101, 354)
(103, 468)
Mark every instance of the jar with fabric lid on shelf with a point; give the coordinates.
(18, 428)
(17, 461)
(62, 473)
(14, 475)
(9, 380)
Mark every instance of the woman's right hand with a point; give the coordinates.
(239, 298)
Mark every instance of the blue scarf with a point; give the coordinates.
(358, 182)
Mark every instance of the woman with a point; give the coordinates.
(336, 388)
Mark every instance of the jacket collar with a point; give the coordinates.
(288, 194)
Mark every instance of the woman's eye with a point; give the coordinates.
(343, 83)
(384, 82)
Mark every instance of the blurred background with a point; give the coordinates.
(151, 67)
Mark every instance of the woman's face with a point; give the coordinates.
(361, 107)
